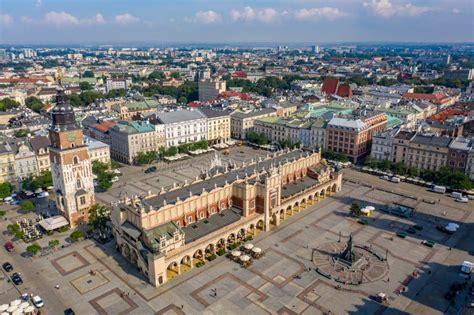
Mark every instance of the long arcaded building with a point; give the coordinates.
(169, 233)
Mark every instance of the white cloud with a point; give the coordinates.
(126, 18)
(26, 19)
(386, 9)
(207, 17)
(60, 18)
(265, 15)
(99, 19)
(6, 19)
(456, 11)
(329, 13)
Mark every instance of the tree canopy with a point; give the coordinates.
(34, 103)
(8, 103)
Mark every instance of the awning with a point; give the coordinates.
(53, 223)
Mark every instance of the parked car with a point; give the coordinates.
(7, 267)
(9, 246)
(151, 169)
(395, 179)
(462, 199)
(385, 177)
(115, 179)
(43, 194)
(37, 301)
(16, 278)
(117, 172)
(438, 189)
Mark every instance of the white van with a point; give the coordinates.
(395, 179)
(456, 195)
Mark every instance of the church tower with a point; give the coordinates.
(70, 164)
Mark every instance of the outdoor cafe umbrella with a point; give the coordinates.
(4, 313)
(244, 258)
(29, 309)
(23, 305)
(248, 246)
(12, 308)
(3, 307)
(236, 253)
(15, 302)
(17, 312)
(257, 250)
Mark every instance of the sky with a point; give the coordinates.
(234, 21)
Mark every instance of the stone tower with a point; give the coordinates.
(70, 164)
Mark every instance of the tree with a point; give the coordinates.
(156, 75)
(34, 103)
(176, 75)
(355, 209)
(182, 100)
(76, 235)
(145, 157)
(33, 249)
(43, 180)
(27, 205)
(53, 243)
(21, 133)
(88, 74)
(8, 103)
(5, 189)
(104, 176)
(85, 86)
(98, 217)
(15, 230)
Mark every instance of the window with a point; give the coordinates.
(190, 219)
(78, 184)
(82, 200)
(75, 160)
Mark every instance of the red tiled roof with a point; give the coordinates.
(435, 98)
(229, 94)
(239, 74)
(105, 126)
(194, 104)
(24, 80)
(448, 112)
(330, 86)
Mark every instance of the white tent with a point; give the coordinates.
(248, 246)
(53, 223)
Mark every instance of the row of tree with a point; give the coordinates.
(103, 173)
(335, 156)
(144, 158)
(44, 180)
(444, 176)
(257, 138)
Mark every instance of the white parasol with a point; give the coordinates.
(248, 246)
(257, 250)
(236, 253)
(29, 309)
(244, 258)
(3, 307)
(15, 302)
(23, 305)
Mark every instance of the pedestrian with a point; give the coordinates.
(182, 306)
(388, 279)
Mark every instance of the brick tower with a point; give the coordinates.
(70, 164)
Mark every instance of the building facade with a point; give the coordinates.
(128, 138)
(70, 164)
(428, 152)
(181, 126)
(7, 163)
(209, 89)
(242, 123)
(167, 233)
(218, 124)
(353, 136)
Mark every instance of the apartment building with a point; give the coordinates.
(135, 109)
(218, 124)
(40, 146)
(459, 150)
(98, 151)
(128, 138)
(353, 135)
(382, 145)
(243, 122)
(7, 163)
(401, 145)
(209, 89)
(181, 126)
(428, 152)
(117, 84)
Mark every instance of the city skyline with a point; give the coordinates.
(207, 21)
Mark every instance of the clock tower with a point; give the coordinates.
(70, 164)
